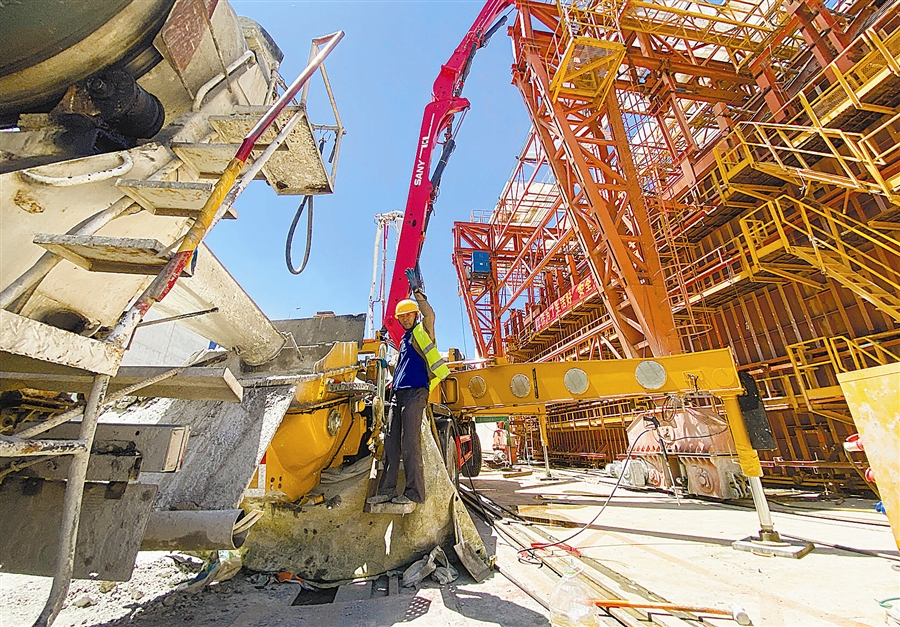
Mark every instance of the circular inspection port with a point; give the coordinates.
(520, 385)
(477, 386)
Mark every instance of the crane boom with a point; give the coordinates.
(445, 103)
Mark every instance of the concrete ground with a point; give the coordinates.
(681, 549)
(678, 550)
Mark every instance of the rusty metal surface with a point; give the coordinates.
(109, 533)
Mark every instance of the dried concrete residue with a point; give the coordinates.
(343, 542)
(226, 443)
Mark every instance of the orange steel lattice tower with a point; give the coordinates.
(701, 175)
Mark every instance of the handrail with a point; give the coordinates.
(822, 230)
(227, 188)
(798, 153)
(840, 353)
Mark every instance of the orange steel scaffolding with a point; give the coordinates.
(700, 175)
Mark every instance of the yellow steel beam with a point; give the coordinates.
(524, 388)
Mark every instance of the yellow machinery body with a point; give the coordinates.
(873, 395)
(321, 427)
(524, 389)
(304, 446)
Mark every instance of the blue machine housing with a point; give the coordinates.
(481, 262)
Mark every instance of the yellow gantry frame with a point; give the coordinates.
(524, 389)
(588, 68)
(303, 447)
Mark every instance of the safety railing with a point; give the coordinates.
(851, 86)
(601, 324)
(817, 362)
(744, 27)
(779, 391)
(802, 154)
(864, 260)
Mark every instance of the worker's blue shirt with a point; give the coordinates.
(411, 371)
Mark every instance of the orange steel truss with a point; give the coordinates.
(700, 175)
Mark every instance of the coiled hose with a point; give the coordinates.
(290, 236)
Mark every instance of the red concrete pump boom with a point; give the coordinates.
(439, 113)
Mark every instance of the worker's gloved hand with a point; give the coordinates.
(415, 281)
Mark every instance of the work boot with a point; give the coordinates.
(401, 500)
(378, 498)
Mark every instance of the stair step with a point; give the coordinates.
(299, 170)
(207, 159)
(183, 199)
(23, 340)
(853, 280)
(387, 507)
(390, 508)
(120, 255)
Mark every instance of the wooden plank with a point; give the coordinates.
(195, 384)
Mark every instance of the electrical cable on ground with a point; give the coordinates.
(480, 504)
(527, 555)
(290, 236)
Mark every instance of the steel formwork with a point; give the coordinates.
(725, 175)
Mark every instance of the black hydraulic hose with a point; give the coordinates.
(449, 147)
(290, 236)
(530, 551)
(493, 29)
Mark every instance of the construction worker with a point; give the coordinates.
(419, 369)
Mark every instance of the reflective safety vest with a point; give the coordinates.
(437, 367)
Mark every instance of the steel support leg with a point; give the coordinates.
(542, 423)
(65, 559)
(769, 541)
(750, 466)
(766, 526)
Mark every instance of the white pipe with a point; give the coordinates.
(218, 78)
(35, 274)
(81, 179)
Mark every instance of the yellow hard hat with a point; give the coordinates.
(406, 306)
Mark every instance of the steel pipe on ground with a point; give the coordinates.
(207, 530)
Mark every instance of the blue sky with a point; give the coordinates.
(381, 74)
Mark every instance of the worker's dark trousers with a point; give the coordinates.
(404, 438)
